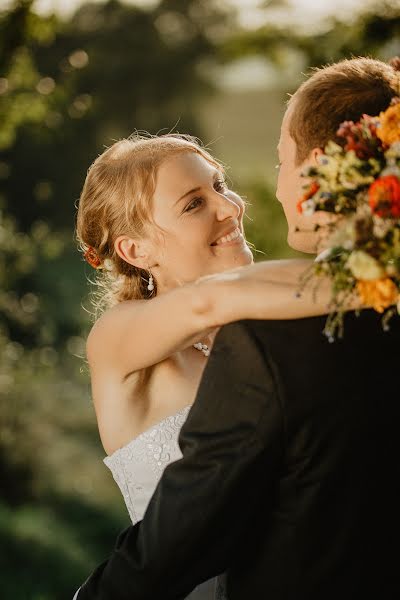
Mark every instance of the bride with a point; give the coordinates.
(164, 231)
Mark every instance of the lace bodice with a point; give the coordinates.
(137, 468)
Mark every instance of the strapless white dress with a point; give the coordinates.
(137, 469)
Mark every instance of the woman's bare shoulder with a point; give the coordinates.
(114, 392)
(115, 315)
(105, 332)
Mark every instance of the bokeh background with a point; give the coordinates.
(74, 77)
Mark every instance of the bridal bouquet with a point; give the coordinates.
(358, 179)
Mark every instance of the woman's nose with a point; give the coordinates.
(226, 208)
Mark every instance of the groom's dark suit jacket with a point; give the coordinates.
(289, 480)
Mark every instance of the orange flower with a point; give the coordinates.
(92, 257)
(384, 196)
(389, 130)
(300, 205)
(312, 189)
(379, 293)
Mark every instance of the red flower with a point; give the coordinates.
(384, 196)
(360, 137)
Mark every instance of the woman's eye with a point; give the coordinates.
(220, 185)
(194, 204)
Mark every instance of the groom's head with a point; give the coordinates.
(340, 92)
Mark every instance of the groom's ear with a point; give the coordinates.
(313, 156)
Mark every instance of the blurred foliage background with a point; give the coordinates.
(70, 84)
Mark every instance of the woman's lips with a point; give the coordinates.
(233, 237)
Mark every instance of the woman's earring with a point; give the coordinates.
(150, 285)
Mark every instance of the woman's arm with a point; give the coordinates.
(138, 333)
(270, 290)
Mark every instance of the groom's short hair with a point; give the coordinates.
(343, 91)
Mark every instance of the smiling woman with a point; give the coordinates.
(165, 233)
(195, 225)
(147, 205)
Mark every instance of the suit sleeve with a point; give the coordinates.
(200, 511)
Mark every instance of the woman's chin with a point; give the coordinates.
(239, 259)
(247, 259)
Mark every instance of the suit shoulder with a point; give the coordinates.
(238, 344)
(244, 332)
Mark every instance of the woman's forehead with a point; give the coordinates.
(183, 169)
(187, 161)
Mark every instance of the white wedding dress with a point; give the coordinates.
(137, 468)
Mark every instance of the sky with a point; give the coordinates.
(303, 11)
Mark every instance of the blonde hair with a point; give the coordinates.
(339, 92)
(116, 199)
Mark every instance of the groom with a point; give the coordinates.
(289, 476)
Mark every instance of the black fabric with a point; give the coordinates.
(289, 475)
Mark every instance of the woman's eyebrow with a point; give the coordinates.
(215, 176)
(196, 189)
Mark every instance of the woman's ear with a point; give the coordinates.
(133, 252)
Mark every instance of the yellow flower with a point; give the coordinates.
(363, 266)
(389, 130)
(379, 294)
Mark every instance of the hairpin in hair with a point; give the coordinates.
(92, 258)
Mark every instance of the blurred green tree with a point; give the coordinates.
(37, 367)
(26, 328)
(374, 30)
(110, 70)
